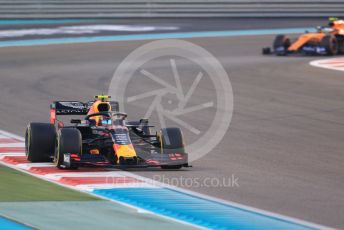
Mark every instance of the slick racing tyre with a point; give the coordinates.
(281, 41)
(330, 44)
(171, 140)
(340, 39)
(266, 51)
(68, 142)
(40, 141)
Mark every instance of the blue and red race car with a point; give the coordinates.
(103, 138)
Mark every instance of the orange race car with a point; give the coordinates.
(327, 40)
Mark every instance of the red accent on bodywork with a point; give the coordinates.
(60, 124)
(176, 156)
(75, 157)
(153, 162)
(52, 116)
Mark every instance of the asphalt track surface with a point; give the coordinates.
(285, 141)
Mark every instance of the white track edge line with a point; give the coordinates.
(316, 63)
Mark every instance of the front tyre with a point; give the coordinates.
(171, 141)
(69, 142)
(330, 43)
(281, 45)
(40, 141)
(340, 39)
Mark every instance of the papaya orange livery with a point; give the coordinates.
(327, 40)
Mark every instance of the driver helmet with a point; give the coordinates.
(331, 21)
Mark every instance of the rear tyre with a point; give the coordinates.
(69, 141)
(340, 39)
(330, 44)
(281, 41)
(40, 141)
(171, 140)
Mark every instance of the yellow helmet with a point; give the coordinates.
(102, 97)
(332, 19)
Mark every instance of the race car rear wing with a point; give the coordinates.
(74, 108)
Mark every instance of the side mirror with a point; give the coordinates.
(75, 121)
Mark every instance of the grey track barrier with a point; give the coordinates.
(43, 9)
